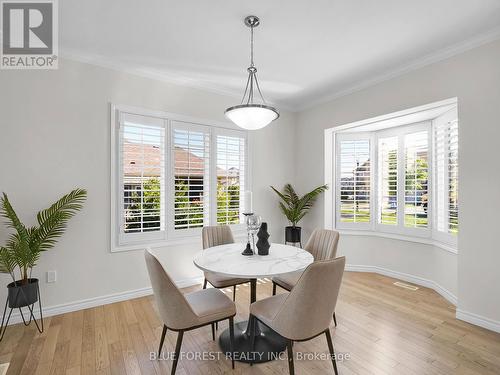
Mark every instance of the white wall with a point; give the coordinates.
(473, 77)
(55, 136)
(419, 263)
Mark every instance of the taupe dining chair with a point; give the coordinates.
(306, 311)
(184, 312)
(322, 245)
(214, 236)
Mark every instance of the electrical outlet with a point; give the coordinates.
(51, 276)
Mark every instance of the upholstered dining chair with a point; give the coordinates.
(184, 312)
(322, 245)
(214, 236)
(306, 311)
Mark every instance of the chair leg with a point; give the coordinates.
(177, 351)
(290, 357)
(213, 331)
(334, 319)
(231, 340)
(205, 284)
(234, 293)
(274, 288)
(162, 339)
(332, 352)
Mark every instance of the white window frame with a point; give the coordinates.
(444, 237)
(354, 137)
(132, 238)
(377, 224)
(189, 232)
(136, 241)
(230, 133)
(400, 133)
(395, 124)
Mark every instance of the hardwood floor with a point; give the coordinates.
(384, 329)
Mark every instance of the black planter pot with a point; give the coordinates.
(21, 295)
(293, 234)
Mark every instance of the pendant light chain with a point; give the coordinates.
(251, 46)
(252, 76)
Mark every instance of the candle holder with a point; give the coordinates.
(248, 249)
(253, 223)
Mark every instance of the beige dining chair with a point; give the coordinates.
(214, 236)
(306, 311)
(322, 245)
(184, 312)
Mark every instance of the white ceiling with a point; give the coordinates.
(305, 51)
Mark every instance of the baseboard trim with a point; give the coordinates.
(478, 320)
(450, 297)
(99, 301)
(3, 368)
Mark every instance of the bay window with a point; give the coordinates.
(399, 179)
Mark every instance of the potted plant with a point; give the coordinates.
(24, 247)
(295, 208)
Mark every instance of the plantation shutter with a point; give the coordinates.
(446, 171)
(388, 180)
(231, 173)
(416, 194)
(141, 174)
(354, 185)
(191, 166)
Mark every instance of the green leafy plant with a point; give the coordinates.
(295, 207)
(24, 247)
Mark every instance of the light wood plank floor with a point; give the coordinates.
(383, 328)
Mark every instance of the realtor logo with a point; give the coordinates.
(29, 34)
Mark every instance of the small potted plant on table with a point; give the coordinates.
(295, 208)
(24, 247)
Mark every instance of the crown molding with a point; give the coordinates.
(427, 60)
(161, 77)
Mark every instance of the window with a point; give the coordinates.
(191, 155)
(172, 177)
(388, 180)
(411, 170)
(446, 167)
(230, 178)
(355, 186)
(142, 175)
(416, 180)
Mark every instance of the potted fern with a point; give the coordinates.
(24, 247)
(295, 208)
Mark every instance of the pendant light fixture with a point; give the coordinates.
(249, 114)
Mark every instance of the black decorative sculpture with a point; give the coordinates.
(263, 244)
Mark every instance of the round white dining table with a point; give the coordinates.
(227, 260)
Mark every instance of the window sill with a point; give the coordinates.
(238, 233)
(427, 241)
